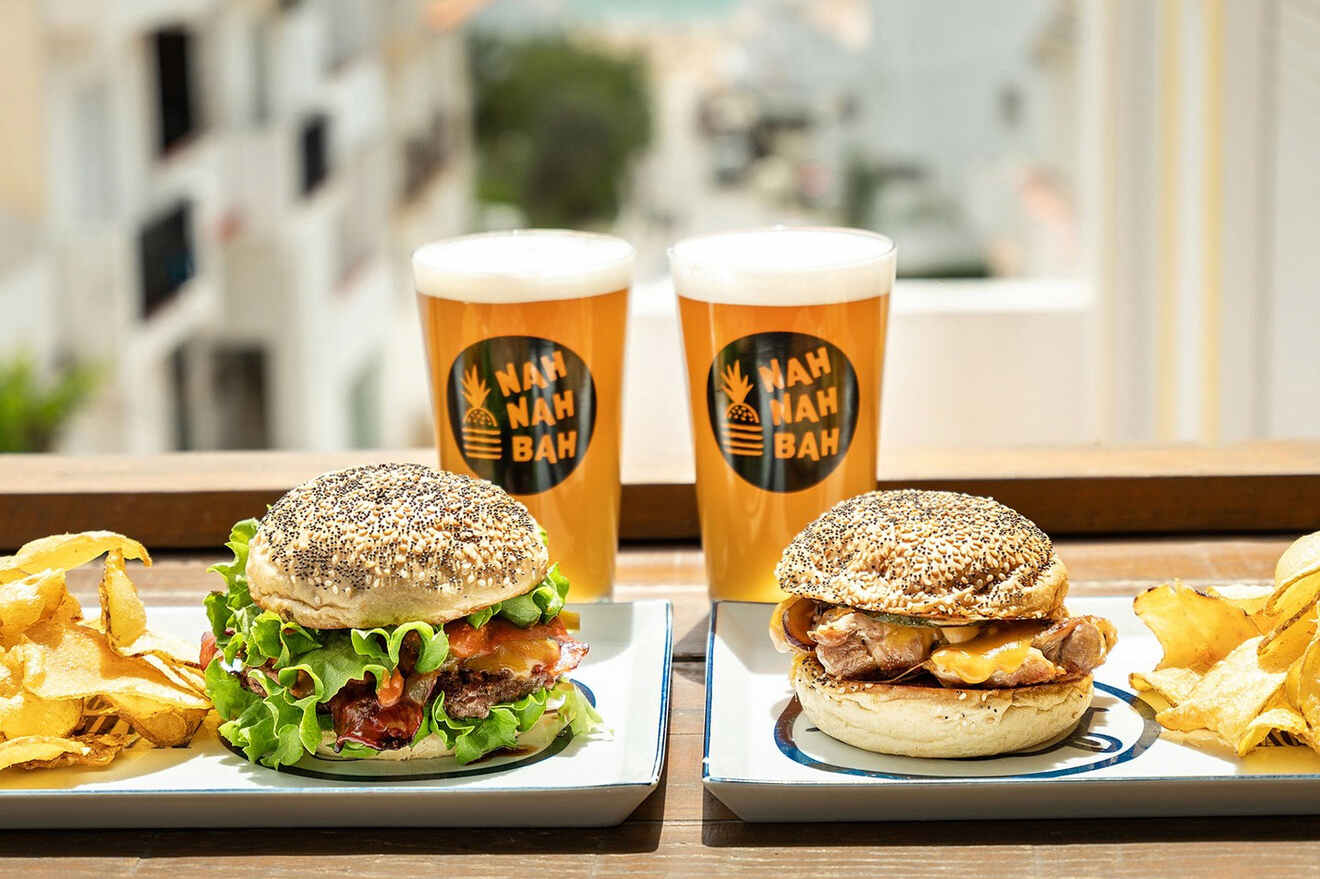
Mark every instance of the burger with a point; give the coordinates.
(932, 624)
(393, 612)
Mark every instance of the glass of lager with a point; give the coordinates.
(524, 344)
(784, 335)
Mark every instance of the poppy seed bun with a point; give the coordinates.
(936, 554)
(388, 543)
(917, 721)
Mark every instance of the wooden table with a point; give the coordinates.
(680, 830)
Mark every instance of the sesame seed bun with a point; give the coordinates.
(917, 721)
(389, 543)
(931, 554)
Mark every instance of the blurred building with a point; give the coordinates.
(191, 179)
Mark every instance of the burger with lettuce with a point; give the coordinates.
(392, 611)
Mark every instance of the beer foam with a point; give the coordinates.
(783, 265)
(527, 265)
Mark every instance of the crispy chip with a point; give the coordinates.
(168, 649)
(1278, 716)
(1249, 597)
(1195, 630)
(75, 695)
(66, 552)
(1304, 685)
(163, 724)
(1174, 684)
(187, 676)
(28, 601)
(27, 715)
(1285, 644)
(1229, 697)
(75, 662)
(123, 616)
(97, 750)
(1296, 577)
(26, 749)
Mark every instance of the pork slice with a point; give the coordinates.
(1077, 644)
(851, 644)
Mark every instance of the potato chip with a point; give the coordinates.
(66, 552)
(28, 601)
(1300, 559)
(1285, 644)
(1248, 597)
(169, 650)
(1174, 684)
(1195, 630)
(1304, 685)
(1277, 717)
(1229, 697)
(97, 750)
(186, 676)
(73, 695)
(1296, 577)
(27, 715)
(26, 749)
(163, 724)
(75, 662)
(123, 616)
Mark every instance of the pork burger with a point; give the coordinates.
(931, 624)
(392, 611)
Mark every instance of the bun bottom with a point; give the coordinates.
(915, 721)
(539, 737)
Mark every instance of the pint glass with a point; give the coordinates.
(524, 343)
(784, 336)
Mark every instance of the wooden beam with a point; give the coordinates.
(189, 500)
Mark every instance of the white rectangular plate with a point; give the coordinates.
(766, 764)
(593, 782)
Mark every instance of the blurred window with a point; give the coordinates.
(313, 151)
(174, 85)
(165, 256)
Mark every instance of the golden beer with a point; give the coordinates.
(524, 340)
(784, 336)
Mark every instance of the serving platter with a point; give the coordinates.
(591, 781)
(767, 762)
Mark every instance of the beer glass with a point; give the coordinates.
(784, 336)
(524, 339)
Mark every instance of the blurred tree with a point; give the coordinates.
(557, 126)
(31, 410)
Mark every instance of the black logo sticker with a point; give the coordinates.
(522, 410)
(783, 407)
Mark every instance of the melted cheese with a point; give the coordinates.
(1002, 649)
(520, 657)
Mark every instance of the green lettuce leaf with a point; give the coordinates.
(301, 669)
(541, 605)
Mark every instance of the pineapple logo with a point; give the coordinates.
(521, 410)
(782, 408)
(481, 433)
(741, 430)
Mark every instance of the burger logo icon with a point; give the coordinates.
(522, 410)
(783, 408)
(481, 432)
(740, 433)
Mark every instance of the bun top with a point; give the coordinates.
(935, 554)
(388, 543)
